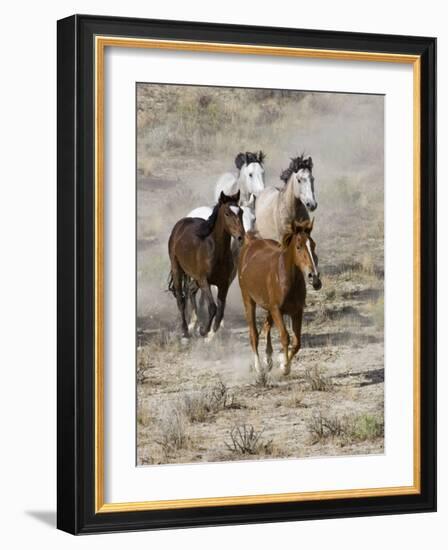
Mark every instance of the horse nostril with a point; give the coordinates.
(310, 275)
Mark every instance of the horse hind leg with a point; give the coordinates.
(250, 308)
(192, 292)
(177, 285)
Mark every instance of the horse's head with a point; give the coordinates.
(301, 170)
(250, 166)
(304, 250)
(232, 215)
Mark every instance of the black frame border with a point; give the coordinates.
(75, 272)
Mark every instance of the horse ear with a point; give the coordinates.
(303, 227)
(235, 198)
(222, 198)
(261, 156)
(310, 162)
(286, 240)
(240, 159)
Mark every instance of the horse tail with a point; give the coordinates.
(185, 285)
(171, 283)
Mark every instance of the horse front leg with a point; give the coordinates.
(267, 328)
(250, 308)
(211, 306)
(297, 330)
(284, 338)
(222, 295)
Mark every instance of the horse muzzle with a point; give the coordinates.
(314, 280)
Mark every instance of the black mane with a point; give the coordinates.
(296, 164)
(249, 158)
(207, 225)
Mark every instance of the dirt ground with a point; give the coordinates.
(201, 402)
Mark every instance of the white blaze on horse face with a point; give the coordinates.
(303, 188)
(235, 209)
(310, 252)
(253, 177)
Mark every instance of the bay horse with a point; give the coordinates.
(273, 276)
(205, 212)
(276, 209)
(249, 179)
(200, 256)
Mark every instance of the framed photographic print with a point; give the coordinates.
(246, 274)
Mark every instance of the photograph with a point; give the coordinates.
(259, 274)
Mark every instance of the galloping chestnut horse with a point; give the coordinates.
(273, 276)
(200, 250)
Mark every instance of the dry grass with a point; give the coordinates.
(198, 406)
(296, 399)
(347, 429)
(246, 440)
(317, 380)
(173, 431)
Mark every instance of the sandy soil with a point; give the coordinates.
(342, 344)
(201, 401)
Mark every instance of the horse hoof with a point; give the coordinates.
(210, 336)
(286, 369)
(184, 340)
(284, 365)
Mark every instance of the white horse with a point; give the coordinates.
(248, 181)
(276, 209)
(205, 212)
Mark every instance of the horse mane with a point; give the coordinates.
(249, 158)
(297, 163)
(295, 227)
(206, 226)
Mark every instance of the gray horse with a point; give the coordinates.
(276, 209)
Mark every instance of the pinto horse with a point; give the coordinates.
(201, 256)
(273, 276)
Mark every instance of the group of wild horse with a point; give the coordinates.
(264, 234)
